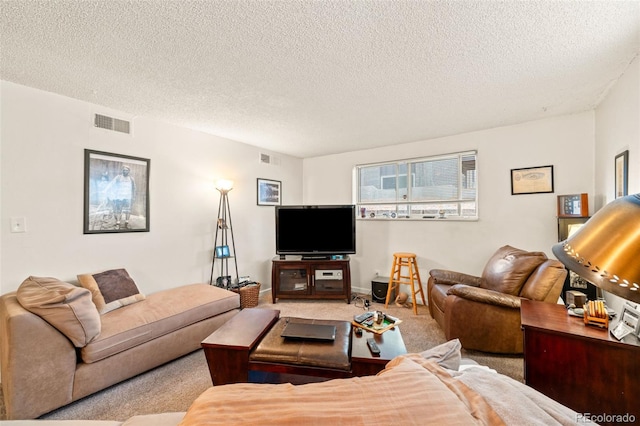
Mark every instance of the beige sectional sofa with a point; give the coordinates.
(44, 368)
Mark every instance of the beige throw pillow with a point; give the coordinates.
(111, 289)
(66, 307)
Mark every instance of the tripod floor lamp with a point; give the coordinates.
(223, 253)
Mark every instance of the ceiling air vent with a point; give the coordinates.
(110, 123)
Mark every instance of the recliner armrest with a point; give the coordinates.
(442, 276)
(484, 295)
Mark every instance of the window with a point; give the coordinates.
(424, 188)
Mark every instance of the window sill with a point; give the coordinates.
(419, 219)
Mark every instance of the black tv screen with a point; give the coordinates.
(321, 230)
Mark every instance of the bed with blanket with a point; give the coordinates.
(414, 389)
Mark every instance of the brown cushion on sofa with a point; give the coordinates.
(66, 307)
(111, 289)
(509, 268)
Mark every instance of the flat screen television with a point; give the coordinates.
(315, 231)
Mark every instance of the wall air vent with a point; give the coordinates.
(110, 123)
(265, 158)
(268, 159)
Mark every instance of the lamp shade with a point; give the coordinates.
(606, 250)
(224, 185)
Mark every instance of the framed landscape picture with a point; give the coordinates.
(269, 192)
(116, 193)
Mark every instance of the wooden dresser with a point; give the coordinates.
(582, 367)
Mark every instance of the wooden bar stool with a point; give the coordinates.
(411, 277)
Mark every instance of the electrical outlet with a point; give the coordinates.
(18, 224)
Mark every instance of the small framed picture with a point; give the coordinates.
(222, 251)
(532, 180)
(622, 174)
(573, 205)
(269, 192)
(116, 193)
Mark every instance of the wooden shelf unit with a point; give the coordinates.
(297, 278)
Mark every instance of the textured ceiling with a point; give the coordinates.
(310, 78)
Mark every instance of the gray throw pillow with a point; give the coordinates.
(447, 355)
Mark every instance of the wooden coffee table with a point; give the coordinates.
(228, 349)
(363, 363)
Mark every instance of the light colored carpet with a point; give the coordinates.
(174, 386)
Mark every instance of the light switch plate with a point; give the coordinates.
(18, 224)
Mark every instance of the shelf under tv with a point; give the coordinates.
(299, 278)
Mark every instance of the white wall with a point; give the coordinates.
(524, 221)
(43, 137)
(617, 130)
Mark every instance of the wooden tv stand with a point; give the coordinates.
(295, 277)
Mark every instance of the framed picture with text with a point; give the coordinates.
(532, 180)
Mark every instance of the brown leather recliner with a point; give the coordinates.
(484, 312)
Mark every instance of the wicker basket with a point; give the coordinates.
(249, 295)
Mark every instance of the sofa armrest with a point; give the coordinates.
(38, 362)
(442, 276)
(483, 295)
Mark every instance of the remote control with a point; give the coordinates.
(368, 323)
(373, 347)
(362, 317)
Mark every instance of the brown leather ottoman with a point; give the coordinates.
(327, 359)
